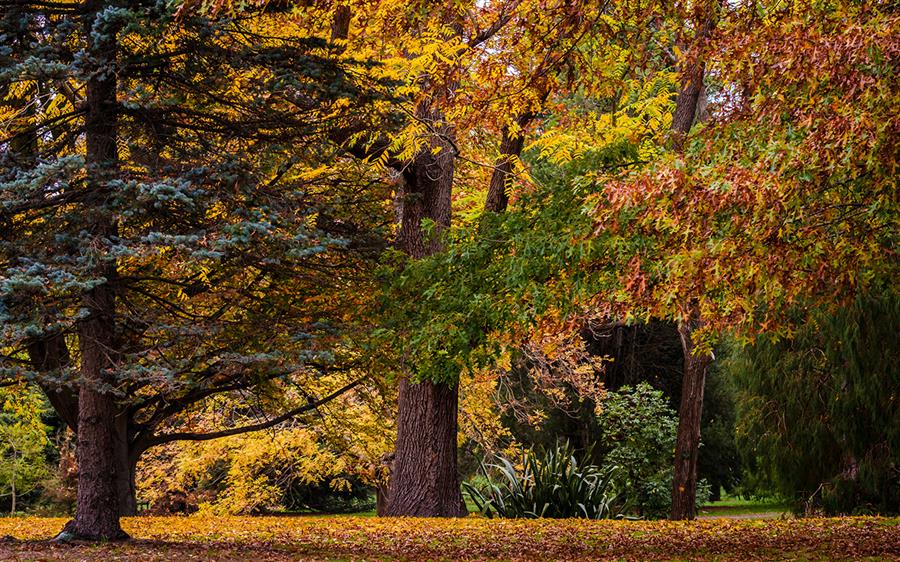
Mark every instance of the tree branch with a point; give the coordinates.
(188, 436)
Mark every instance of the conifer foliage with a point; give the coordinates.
(163, 238)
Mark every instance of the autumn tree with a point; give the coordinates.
(783, 197)
(166, 235)
(455, 62)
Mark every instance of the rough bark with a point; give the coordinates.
(690, 93)
(687, 445)
(97, 503)
(425, 481)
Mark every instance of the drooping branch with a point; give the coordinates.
(191, 436)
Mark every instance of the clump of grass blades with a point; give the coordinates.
(552, 483)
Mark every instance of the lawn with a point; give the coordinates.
(353, 538)
(735, 507)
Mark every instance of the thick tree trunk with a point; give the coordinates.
(49, 355)
(97, 504)
(425, 481)
(687, 445)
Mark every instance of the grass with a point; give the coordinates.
(733, 507)
(473, 538)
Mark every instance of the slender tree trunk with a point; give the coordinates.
(12, 510)
(687, 445)
(97, 504)
(425, 479)
(684, 484)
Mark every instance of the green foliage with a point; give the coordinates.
(459, 308)
(546, 483)
(818, 417)
(23, 444)
(638, 429)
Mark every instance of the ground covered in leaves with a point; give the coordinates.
(353, 538)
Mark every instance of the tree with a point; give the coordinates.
(23, 443)
(449, 55)
(816, 412)
(752, 219)
(168, 220)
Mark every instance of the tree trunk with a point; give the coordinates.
(684, 485)
(126, 463)
(97, 504)
(511, 143)
(690, 94)
(12, 510)
(425, 481)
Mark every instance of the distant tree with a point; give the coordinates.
(23, 443)
(784, 196)
(817, 417)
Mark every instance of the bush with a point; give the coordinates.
(551, 484)
(638, 430)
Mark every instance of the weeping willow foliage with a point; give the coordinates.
(818, 416)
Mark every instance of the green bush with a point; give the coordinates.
(552, 483)
(637, 429)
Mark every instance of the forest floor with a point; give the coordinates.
(356, 538)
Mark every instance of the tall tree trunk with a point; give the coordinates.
(425, 482)
(425, 479)
(684, 484)
(97, 504)
(687, 444)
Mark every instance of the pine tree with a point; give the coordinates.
(163, 237)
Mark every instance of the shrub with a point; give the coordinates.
(638, 430)
(551, 483)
